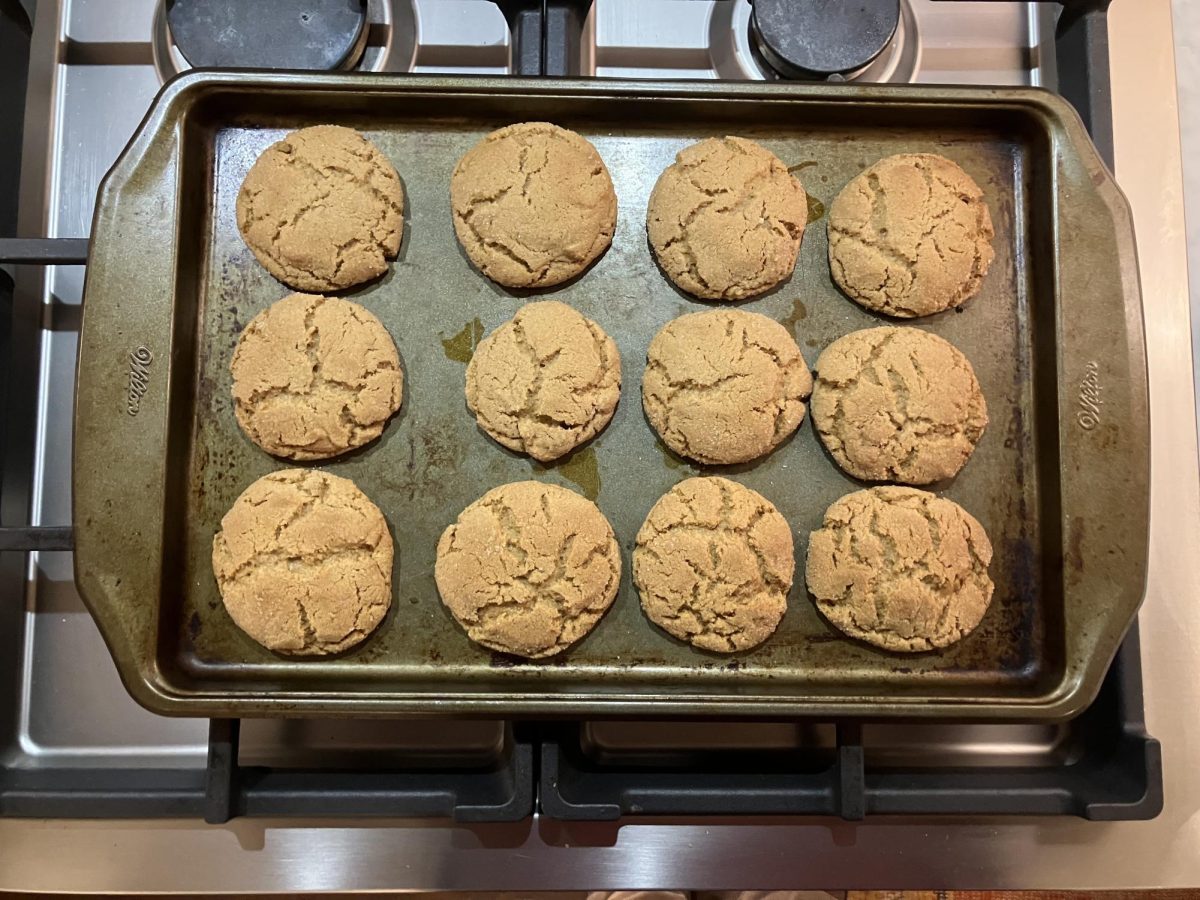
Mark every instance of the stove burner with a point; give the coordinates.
(822, 38)
(269, 34)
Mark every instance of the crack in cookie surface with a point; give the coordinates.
(910, 236)
(724, 386)
(713, 564)
(900, 568)
(528, 568)
(303, 561)
(897, 404)
(726, 219)
(314, 377)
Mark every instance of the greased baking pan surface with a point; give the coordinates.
(1059, 480)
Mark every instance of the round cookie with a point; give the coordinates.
(900, 568)
(528, 568)
(726, 218)
(322, 209)
(713, 563)
(545, 381)
(897, 404)
(314, 377)
(304, 563)
(724, 386)
(533, 205)
(910, 236)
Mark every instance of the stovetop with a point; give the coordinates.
(95, 67)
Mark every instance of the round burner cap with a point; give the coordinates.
(821, 38)
(268, 34)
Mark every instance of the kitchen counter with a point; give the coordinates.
(261, 855)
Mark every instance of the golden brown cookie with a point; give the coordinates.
(897, 404)
(900, 568)
(726, 218)
(533, 205)
(322, 209)
(545, 381)
(724, 386)
(910, 236)
(713, 564)
(314, 377)
(528, 568)
(304, 563)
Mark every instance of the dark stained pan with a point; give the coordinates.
(1059, 480)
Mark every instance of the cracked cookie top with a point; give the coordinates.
(910, 236)
(897, 404)
(726, 218)
(713, 564)
(314, 377)
(724, 386)
(304, 563)
(533, 205)
(900, 568)
(528, 568)
(322, 209)
(545, 381)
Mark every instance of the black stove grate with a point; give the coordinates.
(1117, 773)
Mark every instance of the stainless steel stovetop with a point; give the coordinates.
(97, 65)
(114, 57)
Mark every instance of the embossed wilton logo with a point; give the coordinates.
(1090, 401)
(139, 378)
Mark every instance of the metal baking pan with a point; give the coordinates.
(1060, 480)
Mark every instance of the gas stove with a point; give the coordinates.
(74, 745)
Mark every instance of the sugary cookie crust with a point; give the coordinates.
(726, 219)
(900, 568)
(713, 563)
(314, 377)
(910, 236)
(528, 568)
(303, 561)
(544, 382)
(322, 209)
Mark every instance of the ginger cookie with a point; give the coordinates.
(322, 209)
(724, 386)
(900, 568)
(304, 563)
(314, 377)
(528, 568)
(910, 236)
(726, 218)
(545, 381)
(713, 563)
(533, 205)
(897, 404)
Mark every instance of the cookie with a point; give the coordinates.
(726, 218)
(533, 205)
(897, 404)
(528, 568)
(545, 381)
(322, 209)
(314, 377)
(724, 386)
(910, 236)
(304, 563)
(713, 564)
(900, 568)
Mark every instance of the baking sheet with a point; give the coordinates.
(1061, 601)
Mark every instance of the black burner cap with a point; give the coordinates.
(267, 34)
(820, 38)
